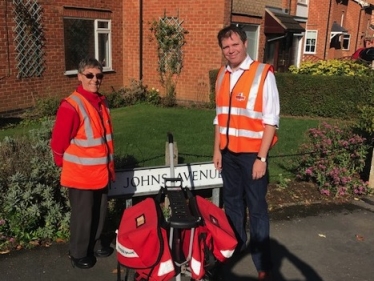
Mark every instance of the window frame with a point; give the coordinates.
(308, 32)
(97, 32)
(344, 39)
(101, 30)
(252, 41)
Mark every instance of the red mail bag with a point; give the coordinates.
(142, 242)
(213, 240)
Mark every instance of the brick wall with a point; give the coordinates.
(202, 19)
(17, 94)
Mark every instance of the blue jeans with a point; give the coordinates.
(241, 191)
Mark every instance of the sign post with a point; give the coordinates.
(371, 175)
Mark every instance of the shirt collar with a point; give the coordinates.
(243, 66)
(92, 97)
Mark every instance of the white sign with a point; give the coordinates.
(149, 180)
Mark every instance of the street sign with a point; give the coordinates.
(145, 181)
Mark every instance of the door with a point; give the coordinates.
(271, 53)
(285, 57)
(278, 52)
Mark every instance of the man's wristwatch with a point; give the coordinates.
(262, 159)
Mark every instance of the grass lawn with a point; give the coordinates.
(140, 134)
(9, 128)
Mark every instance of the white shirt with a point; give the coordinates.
(270, 107)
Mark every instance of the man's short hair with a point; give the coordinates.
(227, 32)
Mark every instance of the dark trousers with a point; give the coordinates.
(88, 212)
(241, 191)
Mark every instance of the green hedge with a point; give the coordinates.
(317, 95)
(322, 96)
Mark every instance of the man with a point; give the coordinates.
(82, 144)
(247, 116)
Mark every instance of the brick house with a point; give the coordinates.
(275, 31)
(43, 40)
(335, 29)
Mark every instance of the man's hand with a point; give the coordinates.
(259, 169)
(217, 160)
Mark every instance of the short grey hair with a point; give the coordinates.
(89, 63)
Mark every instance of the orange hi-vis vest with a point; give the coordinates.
(239, 113)
(88, 160)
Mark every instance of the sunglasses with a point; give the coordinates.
(99, 76)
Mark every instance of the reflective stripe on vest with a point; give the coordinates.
(87, 161)
(240, 112)
(241, 133)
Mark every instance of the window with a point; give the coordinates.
(310, 41)
(87, 38)
(252, 32)
(297, 46)
(305, 2)
(346, 41)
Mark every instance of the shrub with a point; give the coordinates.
(45, 107)
(153, 96)
(134, 93)
(115, 99)
(212, 82)
(331, 67)
(365, 121)
(335, 160)
(129, 95)
(33, 208)
(169, 100)
(365, 127)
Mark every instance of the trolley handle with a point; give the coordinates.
(171, 181)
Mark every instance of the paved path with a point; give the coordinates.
(316, 243)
